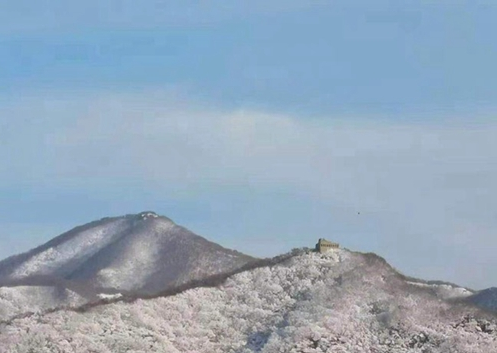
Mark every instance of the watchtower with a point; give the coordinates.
(324, 245)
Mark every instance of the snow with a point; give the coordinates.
(137, 260)
(147, 215)
(340, 302)
(445, 291)
(22, 299)
(141, 253)
(85, 244)
(109, 296)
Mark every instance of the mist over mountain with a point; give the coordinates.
(141, 254)
(340, 301)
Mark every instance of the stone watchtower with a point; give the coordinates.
(324, 245)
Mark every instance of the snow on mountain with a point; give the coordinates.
(143, 253)
(444, 291)
(60, 256)
(337, 302)
(22, 299)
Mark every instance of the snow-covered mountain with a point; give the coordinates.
(21, 299)
(143, 253)
(336, 302)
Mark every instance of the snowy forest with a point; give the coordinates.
(341, 301)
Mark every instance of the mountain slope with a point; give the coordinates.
(21, 299)
(485, 299)
(337, 302)
(142, 253)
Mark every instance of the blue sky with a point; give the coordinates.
(260, 125)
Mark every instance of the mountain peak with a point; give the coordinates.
(141, 252)
(148, 214)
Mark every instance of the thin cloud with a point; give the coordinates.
(429, 186)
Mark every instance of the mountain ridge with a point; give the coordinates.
(138, 252)
(340, 301)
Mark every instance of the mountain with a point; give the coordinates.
(340, 301)
(21, 299)
(143, 253)
(485, 299)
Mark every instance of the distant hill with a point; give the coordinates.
(485, 299)
(142, 254)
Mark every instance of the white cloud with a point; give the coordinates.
(429, 185)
